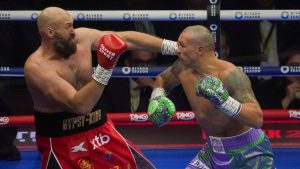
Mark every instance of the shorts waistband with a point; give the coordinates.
(222, 144)
(65, 123)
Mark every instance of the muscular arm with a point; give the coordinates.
(239, 87)
(52, 93)
(134, 40)
(168, 78)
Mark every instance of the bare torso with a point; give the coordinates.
(213, 121)
(76, 70)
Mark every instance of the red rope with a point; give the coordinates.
(180, 117)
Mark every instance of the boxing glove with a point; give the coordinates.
(110, 48)
(212, 88)
(160, 109)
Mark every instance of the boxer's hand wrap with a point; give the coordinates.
(110, 48)
(169, 47)
(160, 109)
(213, 89)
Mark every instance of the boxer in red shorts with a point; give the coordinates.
(72, 132)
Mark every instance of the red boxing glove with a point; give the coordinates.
(109, 50)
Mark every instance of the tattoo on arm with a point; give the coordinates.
(177, 67)
(239, 87)
(170, 75)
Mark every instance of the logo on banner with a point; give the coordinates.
(126, 70)
(136, 70)
(135, 16)
(185, 115)
(80, 16)
(172, 16)
(4, 120)
(138, 117)
(213, 1)
(181, 16)
(284, 15)
(247, 15)
(83, 17)
(294, 114)
(284, 69)
(34, 16)
(126, 16)
(238, 15)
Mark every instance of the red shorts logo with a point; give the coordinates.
(85, 164)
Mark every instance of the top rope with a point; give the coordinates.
(158, 15)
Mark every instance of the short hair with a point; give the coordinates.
(201, 35)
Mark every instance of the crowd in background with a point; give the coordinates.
(250, 43)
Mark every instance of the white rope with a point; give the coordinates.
(160, 15)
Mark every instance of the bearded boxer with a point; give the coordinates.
(72, 132)
(223, 101)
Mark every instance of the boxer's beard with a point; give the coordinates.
(65, 47)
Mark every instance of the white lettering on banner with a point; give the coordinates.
(138, 117)
(252, 69)
(135, 16)
(181, 16)
(20, 136)
(100, 140)
(294, 114)
(185, 115)
(23, 136)
(213, 10)
(139, 70)
(4, 69)
(4, 120)
(295, 69)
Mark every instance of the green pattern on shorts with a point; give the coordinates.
(243, 149)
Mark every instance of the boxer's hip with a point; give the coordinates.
(64, 123)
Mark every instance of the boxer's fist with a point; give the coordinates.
(213, 89)
(160, 109)
(110, 48)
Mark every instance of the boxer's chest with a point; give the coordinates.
(78, 69)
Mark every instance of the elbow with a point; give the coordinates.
(259, 119)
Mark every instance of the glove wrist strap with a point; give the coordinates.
(102, 75)
(169, 47)
(157, 92)
(231, 107)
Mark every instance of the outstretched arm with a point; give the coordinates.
(134, 40)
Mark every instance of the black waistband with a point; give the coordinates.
(65, 123)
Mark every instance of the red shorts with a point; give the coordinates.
(102, 147)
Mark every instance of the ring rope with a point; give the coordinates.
(153, 71)
(187, 117)
(158, 15)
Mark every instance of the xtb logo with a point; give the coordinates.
(78, 148)
(100, 140)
